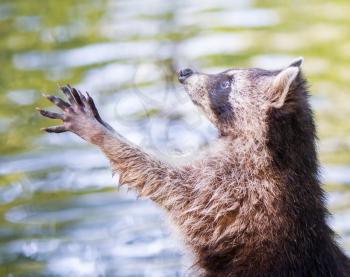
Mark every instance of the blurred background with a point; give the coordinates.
(61, 213)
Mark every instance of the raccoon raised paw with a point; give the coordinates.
(79, 115)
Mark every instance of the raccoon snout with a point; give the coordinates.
(184, 74)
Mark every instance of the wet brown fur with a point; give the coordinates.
(252, 204)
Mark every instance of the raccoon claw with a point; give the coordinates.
(95, 112)
(57, 101)
(75, 97)
(49, 114)
(55, 129)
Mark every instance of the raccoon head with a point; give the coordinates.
(239, 100)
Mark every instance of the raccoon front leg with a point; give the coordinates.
(150, 177)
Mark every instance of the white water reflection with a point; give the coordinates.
(124, 29)
(231, 18)
(114, 75)
(213, 44)
(22, 97)
(33, 162)
(336, 174)
(86, 55)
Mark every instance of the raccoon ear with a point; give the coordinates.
(281, 85)
(298, 62)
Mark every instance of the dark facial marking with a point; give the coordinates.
(219, 88)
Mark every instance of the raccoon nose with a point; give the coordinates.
(184, 74)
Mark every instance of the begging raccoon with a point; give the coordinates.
(252, 204)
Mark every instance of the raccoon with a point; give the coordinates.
(251, 204)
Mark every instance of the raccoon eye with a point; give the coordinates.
(225, 84)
